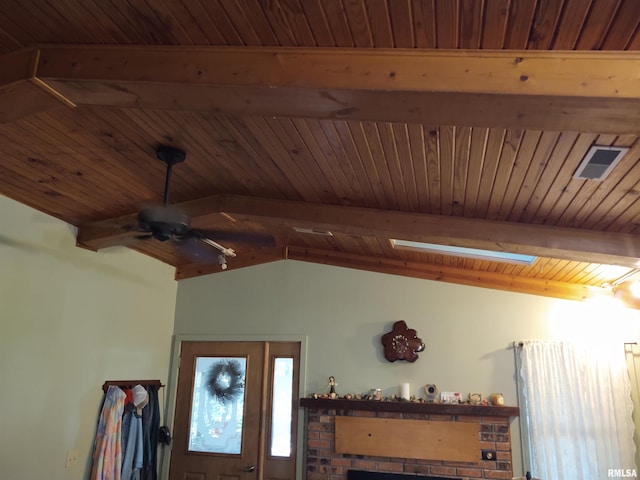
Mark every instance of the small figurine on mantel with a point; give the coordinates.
(332, 387)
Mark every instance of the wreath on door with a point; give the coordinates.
(225, 380)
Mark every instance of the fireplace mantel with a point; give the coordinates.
(410, 407)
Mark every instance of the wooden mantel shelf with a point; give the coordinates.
(410, 407)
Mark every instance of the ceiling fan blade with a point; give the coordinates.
(198, 251)
(227, 236)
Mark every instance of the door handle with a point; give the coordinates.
(249, 468)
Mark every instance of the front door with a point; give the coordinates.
(235, 415)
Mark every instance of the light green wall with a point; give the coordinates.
(344, 312)
(70, 320)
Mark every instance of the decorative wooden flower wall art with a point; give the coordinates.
(402, 343)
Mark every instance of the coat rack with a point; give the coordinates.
(130, 384)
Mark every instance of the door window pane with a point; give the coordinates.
(218, 405)
(282, 407)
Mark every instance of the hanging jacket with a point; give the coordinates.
(107, 454)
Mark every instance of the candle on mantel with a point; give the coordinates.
(404, 391)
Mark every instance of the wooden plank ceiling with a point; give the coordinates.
(455, 121)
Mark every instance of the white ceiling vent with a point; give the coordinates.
(599, 161)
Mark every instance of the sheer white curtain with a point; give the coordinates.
(578, 407)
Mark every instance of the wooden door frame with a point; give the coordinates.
(172, 386)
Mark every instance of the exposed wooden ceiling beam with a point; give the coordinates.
(578, 91)
(441, 273)
(545, 241)
(21, 92)
(256, 257)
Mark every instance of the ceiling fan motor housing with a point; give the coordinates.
(164, 223)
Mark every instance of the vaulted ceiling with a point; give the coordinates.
(456, 122)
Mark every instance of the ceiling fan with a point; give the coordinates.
(169, 223)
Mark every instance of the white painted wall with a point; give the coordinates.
(70, 320)
(344, 312)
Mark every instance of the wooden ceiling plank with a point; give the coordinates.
(187, 28)
(338, 24)
(390, 162)
(374, 148)
(31, 13)
(623, 26)
(223, 14)
(292, 171)
(625, 141)
(257, 27)
(477, 152)
(445, 274)
(539, 204)
(597, 25)
(543, 150)
(424, 26)
(318, 23)
(519, 171)
(17, 183)
(207, 151)
(506, 164)
(493, 152)
(180, 33)
(374, 84)
(379, 23)
(519, 24)
(407, 163)
(89, 24)
(256, 157)
(305, 141)
(447, 23)
(196, 21)
(447, 168)
(278, 22)
(544, 24)
(627, 219)
(128, 20)
(471, 23)
(52, 178)
(372, 194)
(496, 14)
(565, 192)
(433, 168)
(155, 28)
(634, 43)
(15, 31)
(359, 26)
(419, 158)
(324, 158)
(581, 272)
(242, 171)
(91, 177)
(401, 24)
(356, 186)
(574, 15)
(369, 166)
(294, 14)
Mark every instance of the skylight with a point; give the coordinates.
(491, 255)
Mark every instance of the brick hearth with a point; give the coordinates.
(323, 463)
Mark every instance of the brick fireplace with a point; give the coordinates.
(326, 459)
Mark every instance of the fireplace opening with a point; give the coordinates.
(362, 475)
